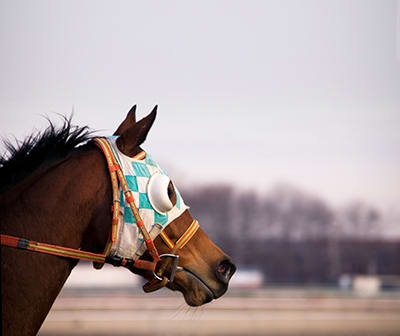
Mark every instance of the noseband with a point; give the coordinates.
(159, 264)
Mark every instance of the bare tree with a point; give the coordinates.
(294, 215)
(359, 220)
(212, 206)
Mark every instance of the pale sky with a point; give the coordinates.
(252, 93)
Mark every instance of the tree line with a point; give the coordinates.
(294, 237)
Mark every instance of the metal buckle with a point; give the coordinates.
(174, 266)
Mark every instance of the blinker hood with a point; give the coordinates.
(149, 186)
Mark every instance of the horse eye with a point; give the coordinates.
(171, 193)
(170, 190)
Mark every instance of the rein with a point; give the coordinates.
(160, 262)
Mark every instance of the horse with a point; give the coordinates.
(56, 197)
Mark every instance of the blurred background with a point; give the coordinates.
(279, 122)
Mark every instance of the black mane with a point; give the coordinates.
(23, 158)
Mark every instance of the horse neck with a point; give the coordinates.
(64, 205)
(58, 204)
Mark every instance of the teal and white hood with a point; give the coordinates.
(149, 186)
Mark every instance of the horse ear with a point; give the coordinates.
(129, 121)
(129, 141)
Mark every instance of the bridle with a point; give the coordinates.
(159, 264)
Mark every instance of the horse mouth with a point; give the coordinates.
(196, 277)
(196, 292)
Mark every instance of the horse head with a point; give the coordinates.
(204, 270)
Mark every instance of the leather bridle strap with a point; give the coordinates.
(115, 169)
(183, 240)
(61, 251)
(31, 245)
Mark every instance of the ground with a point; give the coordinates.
(281, 312)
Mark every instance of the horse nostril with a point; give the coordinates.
(225, 270)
